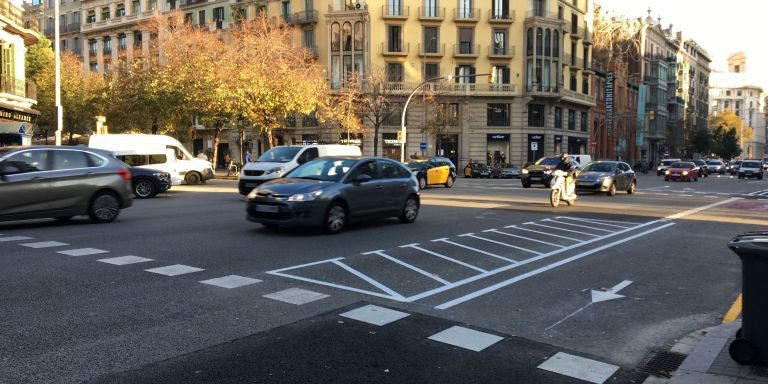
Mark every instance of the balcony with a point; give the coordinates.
(432, 50)
(455, 89)
(539, 90)
(395, 49)
(432, 13)
(305, 17)
(579, 98)
(13, 12)
(498, 53)
(466, 50)
(395, 13)
(501, 18)
(13, 86)
(576, 33)
(313, 50)
(73, 27)
(466, 15)
(189, 3)
(588, 38)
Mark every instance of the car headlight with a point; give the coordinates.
(525, 171)
(276, 170)
(161, 175)
(305, 196)
(685, 173)
(252, 194)
(666, 172)
(548, 171)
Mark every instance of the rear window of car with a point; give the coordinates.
(714, 163)
(668, 162)
(600, 167)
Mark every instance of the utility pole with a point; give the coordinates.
(57, 79)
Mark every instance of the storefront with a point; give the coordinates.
(390, 147)
(448, 146)
(577, 145)
(307, 139)
(558, 144)
(15, 133)
(351, 139)
(498, 148)
(535, 147)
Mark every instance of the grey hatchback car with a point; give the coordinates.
(330, 192)
(62, 182)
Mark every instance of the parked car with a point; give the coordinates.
(765, 163)
(751, 168)
(148, 183)
(477, 170)
(433, 171)
(62, 182)
(608, 177)
(330, 192)
(702, 167)
(683, 171)
(539, 173)
(505, 170)
(664, 165)
(733, 167)
(716, 166)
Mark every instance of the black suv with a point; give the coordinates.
(147, 183)
(539, 173)
(703, 167)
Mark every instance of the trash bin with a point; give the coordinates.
(751, 344)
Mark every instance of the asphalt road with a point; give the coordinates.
(609, 279)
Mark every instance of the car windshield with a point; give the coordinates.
(324, 169)
(714, 163)
(507, 165)
(681, 165)
(600, 167)
(698, 162)
(667, 162)
(548, 161)
(417, 165)
(279, 154)
(750, 164)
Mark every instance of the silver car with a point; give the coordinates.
(62, 182)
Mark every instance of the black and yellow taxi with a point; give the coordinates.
(433, 171)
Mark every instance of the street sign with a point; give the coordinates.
(423, 145)
(534, 146)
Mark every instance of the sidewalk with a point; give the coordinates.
(708, 361)
(222, 174)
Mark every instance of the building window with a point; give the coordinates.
(558, 117)
(393, 38)
(502, 74)
(93, 67)
(91, 18)
(120, 12)
(335, 37)
(171, 4)
(560, 12)
(574, 24)
(136, 6)
(107, 45)
(358, 36)
(395, 72)
(727, 93)
(571, 120)
(105, 13)
(499, 42)
(535, 115)
(573, 82)
(500, 9)
(63, 44)
(465, 9)
(188, 18)
(498, 115)
(465, 40)
(451, 113)
(122, 42)
(308, 38)
(430, 39)
(152, 5)
(201, 18)
(218, 17)
(76, 45)
(286, 7)
(92, 47)
(394, 7)
(738, 93)
(137, 37)
(346, 31)
(585, 85)
(431, 70)
(583, 121)
(465, 74)
(538, 8)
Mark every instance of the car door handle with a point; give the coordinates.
(403, 185)
(379, 186)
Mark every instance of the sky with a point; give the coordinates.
(720, 27)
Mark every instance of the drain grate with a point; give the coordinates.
(661, 363)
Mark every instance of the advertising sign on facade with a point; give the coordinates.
(609, 103)
(640, 134)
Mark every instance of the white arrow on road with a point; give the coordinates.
(598, 296)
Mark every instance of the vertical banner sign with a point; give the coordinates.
(640, 131)
(609, 103)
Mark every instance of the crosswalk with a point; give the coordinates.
(414, 271)
(763, 193)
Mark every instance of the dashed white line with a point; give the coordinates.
(445, 240)
(409, 266)
(472, 235)
(524, 238)
(543, 233)
(563, 229)
(576, 225)
(82, 252)
(44, 244)
(459, 262)
(14, 238)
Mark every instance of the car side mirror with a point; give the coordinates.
(363, 178)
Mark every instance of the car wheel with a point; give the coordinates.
(192, 178)
(632, 188)
(612, 190)
(144, 189)
(449, 182)
(422, 183)
(410, 210)
(335, 218)
(526, 185)
(104, 207)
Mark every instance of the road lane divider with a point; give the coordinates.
(734, 312)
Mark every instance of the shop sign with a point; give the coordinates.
(498, 137)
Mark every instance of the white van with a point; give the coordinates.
(280, 160)
(580, 161)
(178, 161)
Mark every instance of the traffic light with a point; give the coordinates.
(492, 75)
(399, 136)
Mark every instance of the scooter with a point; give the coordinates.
(558, 190)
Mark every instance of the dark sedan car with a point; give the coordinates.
(702, 166)
(330, 192)
(608, 177)
(539, 173)
(148, 183)
(504, 170)
(474, 170)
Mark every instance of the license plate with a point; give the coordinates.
(267, 208)
(535, 178)
(583, 183)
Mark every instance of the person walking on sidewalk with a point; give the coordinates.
(247, 156)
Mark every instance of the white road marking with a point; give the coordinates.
(608, 223)
(697, 210)
(459, 262)
(445, 240)
(44, 244)
(296, 296)
(231, 281)
(545, 268)
(82, 252)
(368, 279)
(686, 195)
(14, 238)
(174, 270)
(373, 314)
(578, 226)
(524, 238)
(543, 233)
(563, 229)
(466, 338)
(597, 297)
(125, 260)
(589, 370)
(409, 266)
(661, 194)
(472, 235)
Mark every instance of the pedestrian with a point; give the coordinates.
(227, 160)
(248, 156)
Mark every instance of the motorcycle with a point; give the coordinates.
(558, 190)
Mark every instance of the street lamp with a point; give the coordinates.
(405, 109)
(57, 71)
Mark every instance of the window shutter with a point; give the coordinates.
(505, 76)
(472, 75)
(457, 74)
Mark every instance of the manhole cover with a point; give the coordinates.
(661, 363)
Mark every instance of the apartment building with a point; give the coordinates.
(17, 95)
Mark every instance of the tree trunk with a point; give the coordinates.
(376, 139)
(216, 138)
(270, 138)
(154, 126)
(241, 137)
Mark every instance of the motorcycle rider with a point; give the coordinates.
(566, 166)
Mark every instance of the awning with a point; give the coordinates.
(16, 127)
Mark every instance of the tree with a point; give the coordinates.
(702, 141)
(343, 110)
(376, 103)
(614, 37)
(440, 119)
(728, 127)
(39, 62)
